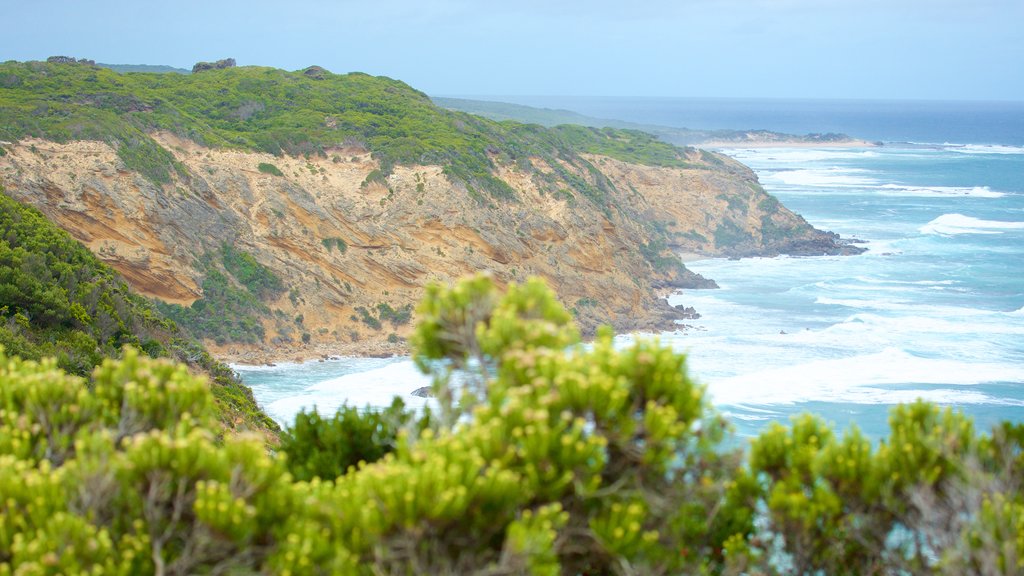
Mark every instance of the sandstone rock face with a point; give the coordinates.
(610, 265)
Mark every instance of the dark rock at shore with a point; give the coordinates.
(424, 392)
(687, 279)
(688, 312)
(824, 244)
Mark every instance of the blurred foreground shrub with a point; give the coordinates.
(541, 456)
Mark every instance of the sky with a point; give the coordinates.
(872, 49)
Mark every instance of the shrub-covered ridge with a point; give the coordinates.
(547, 458)
(276, 111)
(58, 300)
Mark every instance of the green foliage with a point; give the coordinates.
(268, 168)
(626, 145)
(326, 448)
(398, 317)
(736, 202)
(59, 300)
(554, 459)
(729, 234)
(281, 112)
(366, 317)
(375, 177)
(259, 280)
(331, 243)
(660, 257)
(915, 503)
(232, 305)
(126, 476)
(224, 314)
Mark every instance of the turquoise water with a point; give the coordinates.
(934, 309)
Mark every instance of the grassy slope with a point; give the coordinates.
(58, 300)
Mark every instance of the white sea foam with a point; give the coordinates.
(887, 281)
(799, 155)
(863, 379)
(824, 177)
(940, 191)
(376, 388)
(954, 224)
(984, 148)
(913, 308)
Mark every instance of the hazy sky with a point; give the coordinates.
(932, 49)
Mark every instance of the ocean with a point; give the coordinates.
(934, 309)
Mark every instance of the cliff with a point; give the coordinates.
(57, 300)
(322, 245)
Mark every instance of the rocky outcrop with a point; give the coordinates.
(315, 72)
(70, 60)
(218, 65)
(344, 246)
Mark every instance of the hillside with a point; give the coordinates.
(679, 136)
(302, 212)
(57, 300)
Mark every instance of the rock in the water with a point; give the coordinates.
(688, 312)
(424, 392)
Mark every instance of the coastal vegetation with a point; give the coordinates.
(268, 168)
(57, 300)
(235, 289)
(547, 458)
(280, 112)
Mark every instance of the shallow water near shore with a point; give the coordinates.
(933, 310)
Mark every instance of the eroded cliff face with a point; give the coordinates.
(608, 262)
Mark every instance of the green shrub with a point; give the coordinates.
(325, 448)
(398, 317)
(331, 243)
(728, 234)
(546, 457)
(255, 277)
(368, 318)
(375, 177)
(269, 169)
(232, 308)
